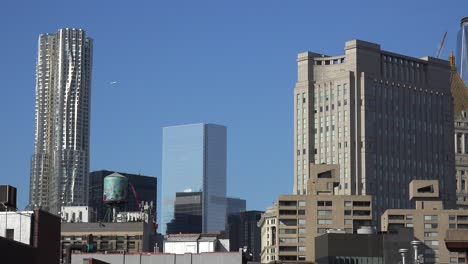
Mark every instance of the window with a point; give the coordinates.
(430, 218)
(396, 217)
(431, 243)
(462, 217)
(324, 221)
(302, 203)
(288, 222)
(409, 217)
(302, 230)
(431, 234)
(301, 212)
(361, 212)
(287, 231)
(10, 234)
(453, 260)
(409, 224)
(324, 212)
(348, 222)
(302, 248)
(452, 218)
(429, 226)
(324, 203)
(302, 221)
(119, 245)
(347, 212)
(348, 203)
(287, 240)
(321, 230)
(361, 204)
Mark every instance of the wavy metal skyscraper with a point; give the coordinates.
(60, 162)
(462, 50)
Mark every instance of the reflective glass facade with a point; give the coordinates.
(462, 50)
(194, 160)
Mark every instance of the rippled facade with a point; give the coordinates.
(60, 162)
(462, 50)
(194, 160)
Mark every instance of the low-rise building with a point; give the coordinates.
(194, 243)
(78, 214)
(27, 236)
(430, 222)
(130, 237)
(202, 258)
(289, 228)
(370, 248)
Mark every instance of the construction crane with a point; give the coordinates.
(441, 45)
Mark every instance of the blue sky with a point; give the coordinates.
(179, 62)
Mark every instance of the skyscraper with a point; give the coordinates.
(194, 160)
(385, 118)
(60, 162)
(462, 49)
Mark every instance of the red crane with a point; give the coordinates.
(135, 195)
(441, 45)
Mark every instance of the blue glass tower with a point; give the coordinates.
(194, 160)
(462, 50)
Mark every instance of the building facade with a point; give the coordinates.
(235, 205)
(385, 118)
(194, 160)
(460, 109)
(32, 235)
(141, 188)
(188, 212)
(78, 214)
(289, 228)
(462, 49)
(60, 162)
(244, 232)
(430, 222)
(194, 243)
(371, 248)
(130, 237)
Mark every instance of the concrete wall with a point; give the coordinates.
(20, 222)
(207, 258)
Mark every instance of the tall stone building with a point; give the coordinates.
(385, 118)
(60, 162)
(460, 99)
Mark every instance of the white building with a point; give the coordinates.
(78, 214)
(16, 226)
(194, 243)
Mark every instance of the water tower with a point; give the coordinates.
(115, 193)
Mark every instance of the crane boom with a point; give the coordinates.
(441, 45)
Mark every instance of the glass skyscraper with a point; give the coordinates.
(194, 160)
(462, 50)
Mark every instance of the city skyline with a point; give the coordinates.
(147, 90)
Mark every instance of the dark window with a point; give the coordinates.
(10, 234)
(326, 174)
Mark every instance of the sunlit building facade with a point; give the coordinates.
(385, 118)
(60, 162)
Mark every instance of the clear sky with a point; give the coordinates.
(179, 62)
